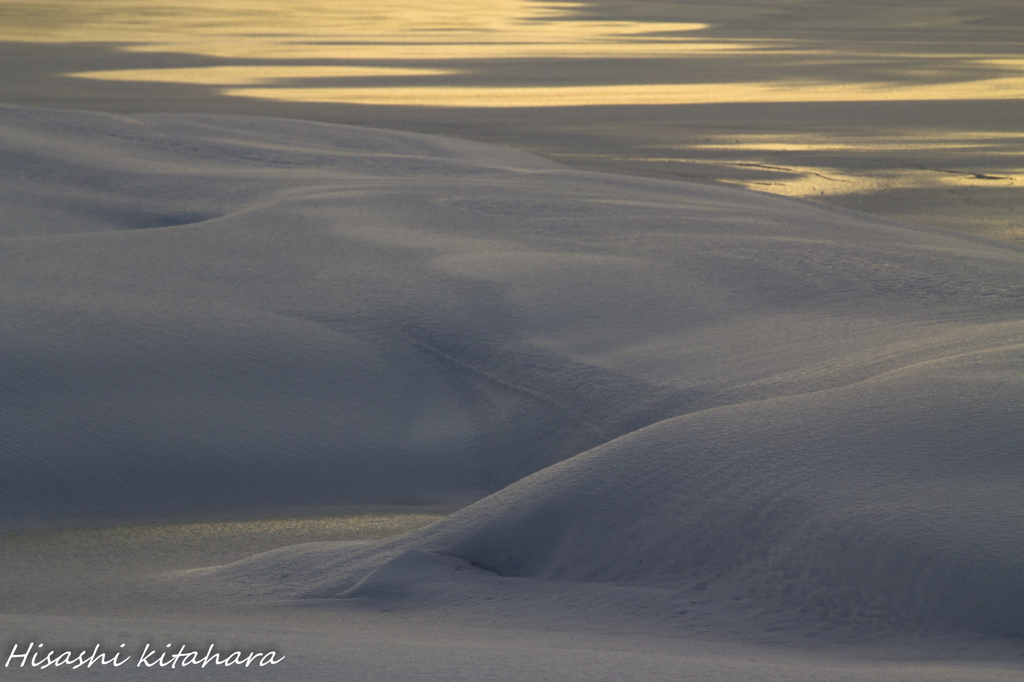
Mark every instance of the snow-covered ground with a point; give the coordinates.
(692, 432)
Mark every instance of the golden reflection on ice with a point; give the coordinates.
(807, 142)
(249, 75)
(411, 31)
(339, 29)
(820, 166)
(643, 94)
(817, 181)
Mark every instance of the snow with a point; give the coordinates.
(690, 431)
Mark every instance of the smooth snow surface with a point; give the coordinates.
(677, 408)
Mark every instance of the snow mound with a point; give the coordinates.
(848, 505)
(798, 411)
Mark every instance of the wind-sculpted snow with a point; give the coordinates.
(715, 396)
(854, 504)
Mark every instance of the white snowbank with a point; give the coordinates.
(714, 398)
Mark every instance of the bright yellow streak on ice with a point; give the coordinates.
(776, 158)
(456, 32)
(777, 163)
(341, 29)
(644, 94)
(796, 143)
(817, 181)
(255, 75)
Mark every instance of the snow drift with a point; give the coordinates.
(800, 411)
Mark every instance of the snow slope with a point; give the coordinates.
(670, 403)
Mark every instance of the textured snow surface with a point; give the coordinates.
(675, 405)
